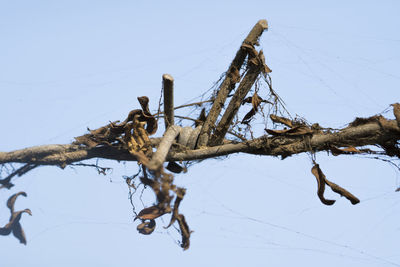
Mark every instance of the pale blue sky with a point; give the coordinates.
(68, 65)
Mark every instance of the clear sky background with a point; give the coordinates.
(68, 65)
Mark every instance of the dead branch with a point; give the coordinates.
(168, 86)
(232, 77)
(163, 148)
(234, 104)
(376, 132)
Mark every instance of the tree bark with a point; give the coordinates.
(231, 78)
(379, 132)
(168, 86)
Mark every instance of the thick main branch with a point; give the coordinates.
(378, 132)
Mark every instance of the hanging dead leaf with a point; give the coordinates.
(343, 192)
(248, 116)
(14, 226)
(180, 193)
(265, 68)
(281, 120)
(316, 171)
(255, 101)
(12, 199)
(185, 231)
(146, 227)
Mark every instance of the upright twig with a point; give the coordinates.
(232, 77)
(168, 86)
(241, 92)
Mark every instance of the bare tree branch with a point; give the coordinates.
(232, 77)
(378, 131)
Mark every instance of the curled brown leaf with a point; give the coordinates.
(343, 192)
(321, 179)
(180, 192)
(255, 101)
(316, 171)
(185, 231)
(281, 120)
(14, 226)
(146, 227)
(152, 212)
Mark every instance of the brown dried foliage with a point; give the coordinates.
(321, 179)
(14, 226)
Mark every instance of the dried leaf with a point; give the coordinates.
(265, 68)
(185, 232)
(335, 188)
(348, 150)
(396, 112)
(152, 125)
(174, 167)
(152, 212)
(343, 192)
(316, 171)
(14, 225)
(180, 193)
(255, 100)
(282, 120)
(248, 116)
(12, 199)
(298, 130)
(146, 227)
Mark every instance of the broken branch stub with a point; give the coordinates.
(168, 87)
(232, 77)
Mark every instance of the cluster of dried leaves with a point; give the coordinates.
(133, 136)
(298, 128)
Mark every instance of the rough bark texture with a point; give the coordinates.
(231, 78)
(234, 105)
(375, 132)
(168, 86)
